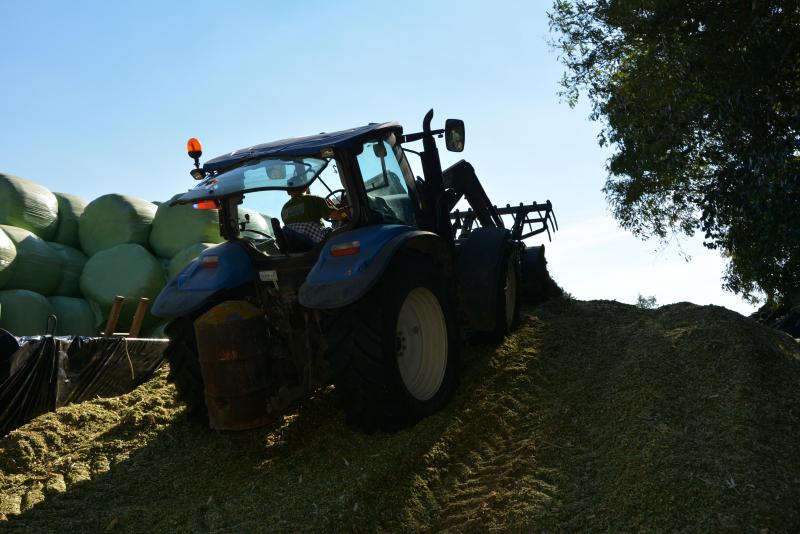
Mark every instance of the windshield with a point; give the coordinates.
(259, 175)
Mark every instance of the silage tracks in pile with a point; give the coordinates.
(593, 415)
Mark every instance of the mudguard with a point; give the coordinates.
(479, 265)
(336, 281)
(224, 266)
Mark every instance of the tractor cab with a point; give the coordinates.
(288, 197)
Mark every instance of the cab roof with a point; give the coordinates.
(308, 146)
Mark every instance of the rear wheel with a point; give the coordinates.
(184, 367)
(395, 360)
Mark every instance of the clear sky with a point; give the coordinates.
(100, 97)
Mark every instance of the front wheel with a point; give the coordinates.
(399, 361)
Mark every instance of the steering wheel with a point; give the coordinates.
(341, 203)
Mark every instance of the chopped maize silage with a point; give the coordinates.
(177, 227)
(28, 205)
(112, 220)
(593, 416)
(73, 261)
(70, 208)
(37, 266)
(8, 253)
(23, 312)
(74, 316)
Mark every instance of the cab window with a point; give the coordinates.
(387, 192)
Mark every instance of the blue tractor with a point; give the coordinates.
(376, 300)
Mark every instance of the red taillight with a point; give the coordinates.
(346, 249)
(206, 205)
(209, 262)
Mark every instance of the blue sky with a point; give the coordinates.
(100, 97)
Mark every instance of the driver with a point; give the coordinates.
(303, 214)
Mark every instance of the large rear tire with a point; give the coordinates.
(394, 354)
(184, 368)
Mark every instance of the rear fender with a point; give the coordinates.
(337, 281)
(225, 266)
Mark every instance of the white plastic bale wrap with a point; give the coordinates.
(128, 270)
(177, 227)
(73, 261)
(28, 205)
(182, 258)
(112, 220)
(74, 316)
(8, 253)
(37, 266)
(70, 209)
(23, 312)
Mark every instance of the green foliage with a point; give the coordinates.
(646, 303)
(701, 103)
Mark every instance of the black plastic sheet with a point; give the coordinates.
(45, 372)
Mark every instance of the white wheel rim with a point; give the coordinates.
(421, 343)
(511, 293)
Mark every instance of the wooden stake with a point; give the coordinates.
(113, 317)
(138, 317)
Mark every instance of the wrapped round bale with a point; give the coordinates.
(23, 312)
(72, 267)
(127, 270)
(177, 227)
(70, 209)
(75, 317)
(182, 258)
(37, 266)
(112, 220)
(8, 253)
(257, 222)
(28, 205)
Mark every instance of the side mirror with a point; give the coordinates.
(454, 135)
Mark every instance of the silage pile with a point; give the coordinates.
(592, 416)
(62, 256)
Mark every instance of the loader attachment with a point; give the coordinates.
(528, 220)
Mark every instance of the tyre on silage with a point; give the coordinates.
(177, 227)
(184, 367)
(127, 270)
(184, 257)
(112, 220)
(8, 253)
(70, 209)
(23, 312)
(28, 205)
(394, 354)
(74, 316)
(37, 266)
(73, 262)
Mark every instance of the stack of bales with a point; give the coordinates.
(61, 256)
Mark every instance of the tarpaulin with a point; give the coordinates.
(46, 372)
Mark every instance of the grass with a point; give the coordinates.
(592, 416)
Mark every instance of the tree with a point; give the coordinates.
(700, 102)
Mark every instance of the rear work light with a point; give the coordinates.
(206, 205)
(346, 249)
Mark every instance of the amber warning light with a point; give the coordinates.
(195, 150)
